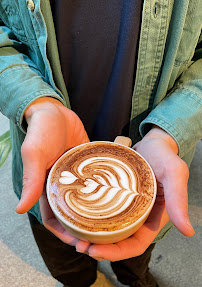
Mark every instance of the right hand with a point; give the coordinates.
(161, 152)
(52, 130)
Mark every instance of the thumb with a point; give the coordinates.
(176, 199)
(34, 173)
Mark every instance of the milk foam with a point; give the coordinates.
(101, 187)
(110, 189)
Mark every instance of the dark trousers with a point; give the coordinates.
(75, 269)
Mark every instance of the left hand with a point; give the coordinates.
(172, 174)
(52, 130)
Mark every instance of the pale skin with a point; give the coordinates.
(53, 129)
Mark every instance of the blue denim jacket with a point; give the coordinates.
(168, 86)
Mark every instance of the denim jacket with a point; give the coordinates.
(168, 85)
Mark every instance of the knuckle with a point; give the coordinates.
(178, 168)
(25, 180)
(44, 222)
(183, 169)
(31, 151)
(24, 148)
(27, 149)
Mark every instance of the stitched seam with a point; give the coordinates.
(16, 67)
(191, 93)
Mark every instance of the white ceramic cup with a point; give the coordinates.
(102, 237)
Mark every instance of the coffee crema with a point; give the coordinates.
(101, 186)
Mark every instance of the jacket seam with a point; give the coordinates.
(159, 53)
(18, 67)
(191, 93)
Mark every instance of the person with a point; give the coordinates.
(74, 71)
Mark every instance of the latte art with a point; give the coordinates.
(109, 191)
(98, 188)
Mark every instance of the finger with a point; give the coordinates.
(137, 243)
(130, 247)
(176, 198)
(34, 173)
(52, 224)
(82, 246)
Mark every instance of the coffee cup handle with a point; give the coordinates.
(123, 140)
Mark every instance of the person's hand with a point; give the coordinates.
(52, 130)
(172, 173)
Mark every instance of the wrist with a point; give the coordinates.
(43, 103)
(158, 133)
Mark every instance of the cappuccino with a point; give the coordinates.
(101, 187)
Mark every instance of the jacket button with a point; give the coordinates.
(156, 9)
(30, 5)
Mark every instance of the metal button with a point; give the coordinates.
(30, 5)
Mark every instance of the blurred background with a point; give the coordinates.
(176, 260)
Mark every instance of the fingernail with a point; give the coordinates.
(17, 207)
(84, 252)
(98, 258)
(190, 226)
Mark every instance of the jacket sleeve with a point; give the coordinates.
(180, 112)
(21, 81)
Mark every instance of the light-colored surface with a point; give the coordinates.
(176, 260)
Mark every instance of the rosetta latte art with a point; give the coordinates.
(108, 189)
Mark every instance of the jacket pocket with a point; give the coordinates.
(11, 15)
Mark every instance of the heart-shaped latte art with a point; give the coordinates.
(67, 177)
(108, 191)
